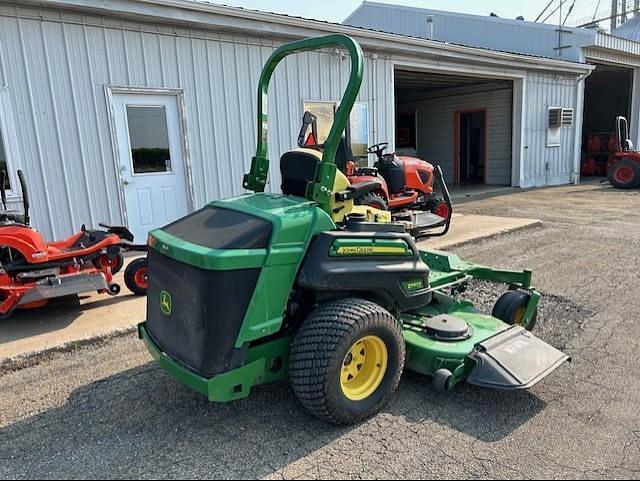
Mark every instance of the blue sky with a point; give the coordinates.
(338, 10)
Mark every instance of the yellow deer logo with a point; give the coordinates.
(165, 303)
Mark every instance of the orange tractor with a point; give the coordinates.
(411, 188)
(624, 168)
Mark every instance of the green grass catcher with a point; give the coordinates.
(307, 285)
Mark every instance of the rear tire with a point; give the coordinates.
(136, 276)
(347, 360)
(624, 174)
(510, 308)
(373, 200)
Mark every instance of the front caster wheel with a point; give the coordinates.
(347, 360)
(512, 307)
(136, 276)
(442, 381)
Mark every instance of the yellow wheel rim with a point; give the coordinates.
(518, 318)
(363, 368)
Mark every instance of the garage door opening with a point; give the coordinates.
(608, 94)
(464, 124)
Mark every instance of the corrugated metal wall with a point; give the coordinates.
(60, 63)
(436, 128)
(474, 30)
(544, 165)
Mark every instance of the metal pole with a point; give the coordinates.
(560, 31)
(636, 7)
(430, 26)
(614, 14)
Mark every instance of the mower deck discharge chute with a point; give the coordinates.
(335, 296)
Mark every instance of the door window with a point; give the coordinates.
(149, 139)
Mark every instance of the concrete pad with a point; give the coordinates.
(467, 228)
(70, 320)
(94, 316)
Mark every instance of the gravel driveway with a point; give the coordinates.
(107, 411)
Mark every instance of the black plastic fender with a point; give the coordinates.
(380, 276)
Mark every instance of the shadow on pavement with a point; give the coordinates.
(484, 414)
(140, 423)
(57, 315)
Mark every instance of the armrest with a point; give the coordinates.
(358, 190)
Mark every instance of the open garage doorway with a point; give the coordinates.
(471, 143)
(464, 124)
(608, 94)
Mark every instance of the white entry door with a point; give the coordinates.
(152, 166)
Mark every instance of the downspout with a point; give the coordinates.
(634, 120)
(578, 127)
(374, 107)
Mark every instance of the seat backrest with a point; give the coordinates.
(298, 169)
(343, 155)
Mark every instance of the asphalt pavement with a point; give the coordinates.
(106, 411)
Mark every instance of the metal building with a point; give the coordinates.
(493, 33)
(139, 111)
(611, 90)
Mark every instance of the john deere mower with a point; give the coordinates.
(305, 285)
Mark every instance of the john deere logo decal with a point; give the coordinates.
(165, 303)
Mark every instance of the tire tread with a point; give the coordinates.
(317, 348)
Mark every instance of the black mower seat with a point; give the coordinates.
(298, 168)
(88, 239)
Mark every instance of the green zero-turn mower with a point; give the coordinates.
(305, 285)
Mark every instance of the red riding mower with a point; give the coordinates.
(406, 186)
(33, 271)
(624, 165)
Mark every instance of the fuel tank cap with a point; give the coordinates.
(447, 328)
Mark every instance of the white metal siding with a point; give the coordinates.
(436, 129)
(56, 65)
(473, 30)
(544, 165)
(57, 87)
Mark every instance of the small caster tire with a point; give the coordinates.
(511, 308)
(114, 289)
(441, 381)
